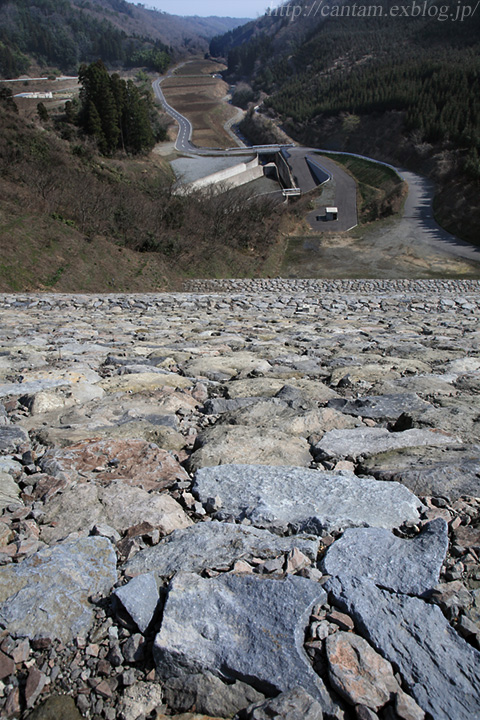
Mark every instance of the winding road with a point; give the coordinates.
(416, 226)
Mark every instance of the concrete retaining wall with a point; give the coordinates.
(229, 177)
(321, 175)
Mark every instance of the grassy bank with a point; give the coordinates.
(381, 191)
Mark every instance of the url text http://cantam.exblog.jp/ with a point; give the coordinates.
(458, 12)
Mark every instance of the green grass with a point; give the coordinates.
(367, 172)
(376, 183)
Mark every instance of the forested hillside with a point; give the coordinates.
(64, 33)
(425, 68)
(404, 89)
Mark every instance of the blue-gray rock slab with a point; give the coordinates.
(240, 628)
(432, 471)
(292, 705)
(303, 500)
(46, 595)
(352, 444)
(11, 436)
(404, 566)
(140, 598)
(440, 669)
(215, 545)
(380, 407)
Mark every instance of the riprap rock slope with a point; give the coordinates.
(256, 499)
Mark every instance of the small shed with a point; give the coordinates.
(331, 213)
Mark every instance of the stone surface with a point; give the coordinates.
(47, 594)
(363, 442)
(358, 673)
(36, 681)
(244, 627)
(135, 462)
(9, 491)
(7, 665)
(450, 474)
(234, 444)
(295, 704)
(144, 382)
(405, 566)
(82, 507)
(140, 700)
(440, 669)
(140, 599)
(306, 500)
(11, 436)
(114, 367)
(381, 407)
(214, 544)
(208, 694)
(56, 707)
(226, 365)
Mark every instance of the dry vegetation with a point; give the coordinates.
(71, 220)
(195, 93)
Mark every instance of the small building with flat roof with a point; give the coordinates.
(331, 213)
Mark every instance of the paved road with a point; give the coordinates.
(184, 143)
(345, 190)
(418, 225)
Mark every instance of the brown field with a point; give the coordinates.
(195, 93)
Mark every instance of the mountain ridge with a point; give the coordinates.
(64, 33)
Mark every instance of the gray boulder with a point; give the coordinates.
(214, 545)
(295, 704)
(11, 436)
(46, 595)
(217, 406)
(209, 695)
(224, 444)
(240, 628)
(440, 669)
(140, 598)
(448, 473)
(374, 554)
(305, 500)
(380, 407)
(365, 441)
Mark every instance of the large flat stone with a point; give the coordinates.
(295, 704)
(305, 500)
(270, 386)
(363, 442)
(208, 694)
(214, 545)
(233, 444)
(277, 414)
(144, 382)
(81, 507)
(240, 628)
(381, 407)
(374, 554)
(440, 669)
(226, 365)
(132, 461)
(47, 594)
(11, 436)
(448, 473)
